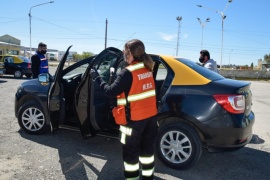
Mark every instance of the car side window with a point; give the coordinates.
(11, 60)
(161, 73)
(78, 70)
(8, 59)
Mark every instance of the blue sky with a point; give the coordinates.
(81, 23)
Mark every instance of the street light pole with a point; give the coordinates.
(222, 25)
(106, 33)
(30, 17)
(179, 18)
(203, 24)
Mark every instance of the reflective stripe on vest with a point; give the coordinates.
(136, 97)
(135, 67)
(141, 97)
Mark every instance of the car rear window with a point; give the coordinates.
(201, 70)
(24, 59)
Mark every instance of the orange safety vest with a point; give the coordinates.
(141, 97)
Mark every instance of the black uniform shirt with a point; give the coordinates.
(121, 84)
(35, 65)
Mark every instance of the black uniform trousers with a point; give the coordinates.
(138, 148)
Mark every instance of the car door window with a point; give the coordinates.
(161, 73)
(104, 65)
(78, 70)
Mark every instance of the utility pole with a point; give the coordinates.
(106, 34)
(179, 18)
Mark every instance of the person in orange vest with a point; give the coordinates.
(136, 110)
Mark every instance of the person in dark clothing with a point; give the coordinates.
(136, 110)
(39, 61)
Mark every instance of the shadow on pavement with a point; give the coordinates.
(12, 77)
(77, 155)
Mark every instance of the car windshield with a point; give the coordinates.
(24, 59)
(201, 70)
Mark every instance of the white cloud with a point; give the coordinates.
(167, 37)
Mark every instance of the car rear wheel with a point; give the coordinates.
(32, 119)
(18, 74)
(178, 146)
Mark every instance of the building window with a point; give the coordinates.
(14, 52)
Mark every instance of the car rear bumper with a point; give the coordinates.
(27, 71)
(225, 133)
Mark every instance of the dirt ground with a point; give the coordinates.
(66, 155)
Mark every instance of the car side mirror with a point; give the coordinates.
(44, 78)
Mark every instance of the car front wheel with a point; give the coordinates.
(178, 146)
(32, 119)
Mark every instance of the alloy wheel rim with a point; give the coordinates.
(176, 147)
(18, 74)
(33, 119)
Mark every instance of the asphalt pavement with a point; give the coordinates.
(66, 155)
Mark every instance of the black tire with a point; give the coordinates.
(178, 146)
(18, 74)
(32, 119)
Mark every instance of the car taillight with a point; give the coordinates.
(231, 102)
(29, 65)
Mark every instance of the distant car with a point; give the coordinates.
(196, 107)
(16, 65)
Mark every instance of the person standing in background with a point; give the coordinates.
(39, 61)
(207, 62)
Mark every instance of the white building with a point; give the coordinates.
(70, 55)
